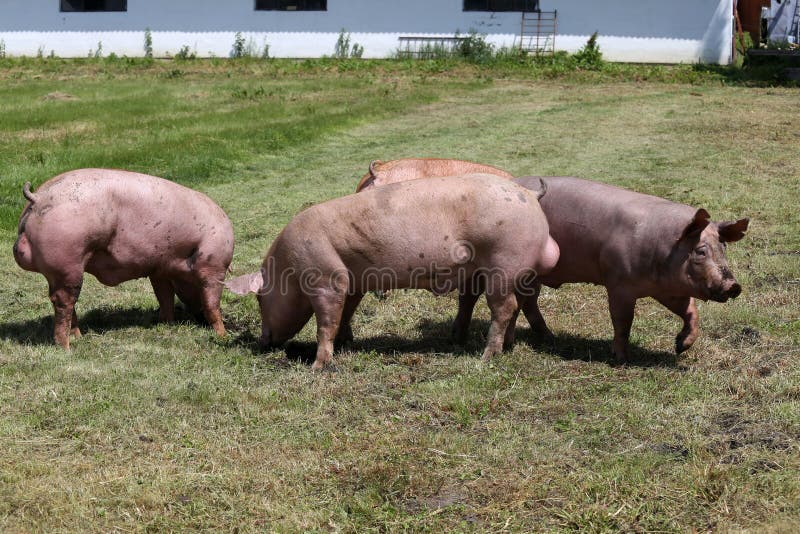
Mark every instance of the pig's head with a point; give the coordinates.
(701, 251)
(280, 313)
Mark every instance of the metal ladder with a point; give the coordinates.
(795, 28)
(538, 31)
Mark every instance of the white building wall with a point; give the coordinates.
(630, 30)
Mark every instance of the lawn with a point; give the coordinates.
(152, 427)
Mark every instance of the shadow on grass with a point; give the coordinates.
(99, 320)
(434, 339)
(759, 73)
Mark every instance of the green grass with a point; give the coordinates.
(145, 426)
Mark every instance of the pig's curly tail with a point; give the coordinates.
(26, 191)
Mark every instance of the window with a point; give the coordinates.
(501, 5)
(94, 5)
(291, 5)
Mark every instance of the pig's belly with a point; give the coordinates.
(111, 270)
(441, 281)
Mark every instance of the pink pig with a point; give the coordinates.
(117, 226)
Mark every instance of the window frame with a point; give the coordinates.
(277, 7)
(61, 4)
(535, 7)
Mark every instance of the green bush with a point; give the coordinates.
(474, 48)
(589, 57)
(185, 53)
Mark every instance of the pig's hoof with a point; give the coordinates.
(683, 343)
(345, 337)
(488, 354)
(458, 336)
(540, 331)
(76, 333)
(619, 358)
(220, 330)
(324, 367)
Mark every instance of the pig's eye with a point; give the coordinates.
(700, 251)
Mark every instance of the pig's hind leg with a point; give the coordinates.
(686, 309)
(530, 307)
(503, 305)
(345, 334)
(467, 298)
(511, 329)
(64, 292)
(200, 289)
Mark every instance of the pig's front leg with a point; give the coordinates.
(75, 331)
(621, 304)
(165, 294)
(328, 306)
(63, 294)
(210, 296)
(686, 309)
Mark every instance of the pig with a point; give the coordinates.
(440, 234)
(635, 245)
(400, 170)
(118, 226)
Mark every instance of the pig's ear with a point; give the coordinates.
(248, 283)
(732, 231)
(698, 224)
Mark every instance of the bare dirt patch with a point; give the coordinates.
(58, 95)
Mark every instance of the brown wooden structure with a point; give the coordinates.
(750, 16)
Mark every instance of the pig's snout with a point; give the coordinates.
(735, 290)
(730, 292)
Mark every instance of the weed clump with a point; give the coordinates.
(185, 54)
(239, 49)
(475, 49)
(589, 57)
(246, 48)
(148, 44)
(343, 49)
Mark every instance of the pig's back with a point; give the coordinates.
(420, 222)
(607, 232)
(135, 217)
(145, 203)
(401, 170)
